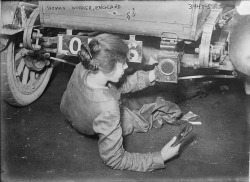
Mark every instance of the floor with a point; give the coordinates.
(39, 145)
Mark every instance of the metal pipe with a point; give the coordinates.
(62, 60)
(49, 50)
(180, 78)
(205, 76)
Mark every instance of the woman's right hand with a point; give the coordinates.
(167, 152)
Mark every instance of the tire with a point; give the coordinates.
(21, 86)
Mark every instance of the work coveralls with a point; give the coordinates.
(99, 111)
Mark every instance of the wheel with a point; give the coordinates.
(21, 86)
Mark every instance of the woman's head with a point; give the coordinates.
(103, 53)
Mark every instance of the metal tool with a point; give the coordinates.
(184, 132)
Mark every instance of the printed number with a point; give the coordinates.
(198, 6)
(133, 12)
(130, 13)
(128, 16)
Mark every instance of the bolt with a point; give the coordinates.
(36, 47)
(46, 55)
(36, 35)
(234, 73)
(187, 42)
(221, 23)
(197, 50)
(23, 54)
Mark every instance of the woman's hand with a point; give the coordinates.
(167, 152)
(150, 55)
(152, 60)
(152, 76)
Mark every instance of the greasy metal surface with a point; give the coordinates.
(133, 17)
(39, 145)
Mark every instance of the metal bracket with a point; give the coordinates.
(36, 35)
(168, 41)
(135, 50)
(27, 35)
(204, 50)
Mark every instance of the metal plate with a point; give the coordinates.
(70, 44)
(130, 17)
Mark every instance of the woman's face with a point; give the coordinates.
(117, 73)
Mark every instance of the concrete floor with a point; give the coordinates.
(39, 145)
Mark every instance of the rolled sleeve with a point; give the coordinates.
(158, 162)
(138, 81)
(107, 126)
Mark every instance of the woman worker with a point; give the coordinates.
(92, 104)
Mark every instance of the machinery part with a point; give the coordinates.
(184, 132)
(226, 17)
(36, 35)
(21, 86)
(168, 67)
(62, 60)
(205, 76)
(49, 41)
(37, 62)
(135, 50)
(168, 58)
(168, 41)
(204, 49)
(34, 59)
(212, 54)
(32, 22)
(218, 49)
(189, 60)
